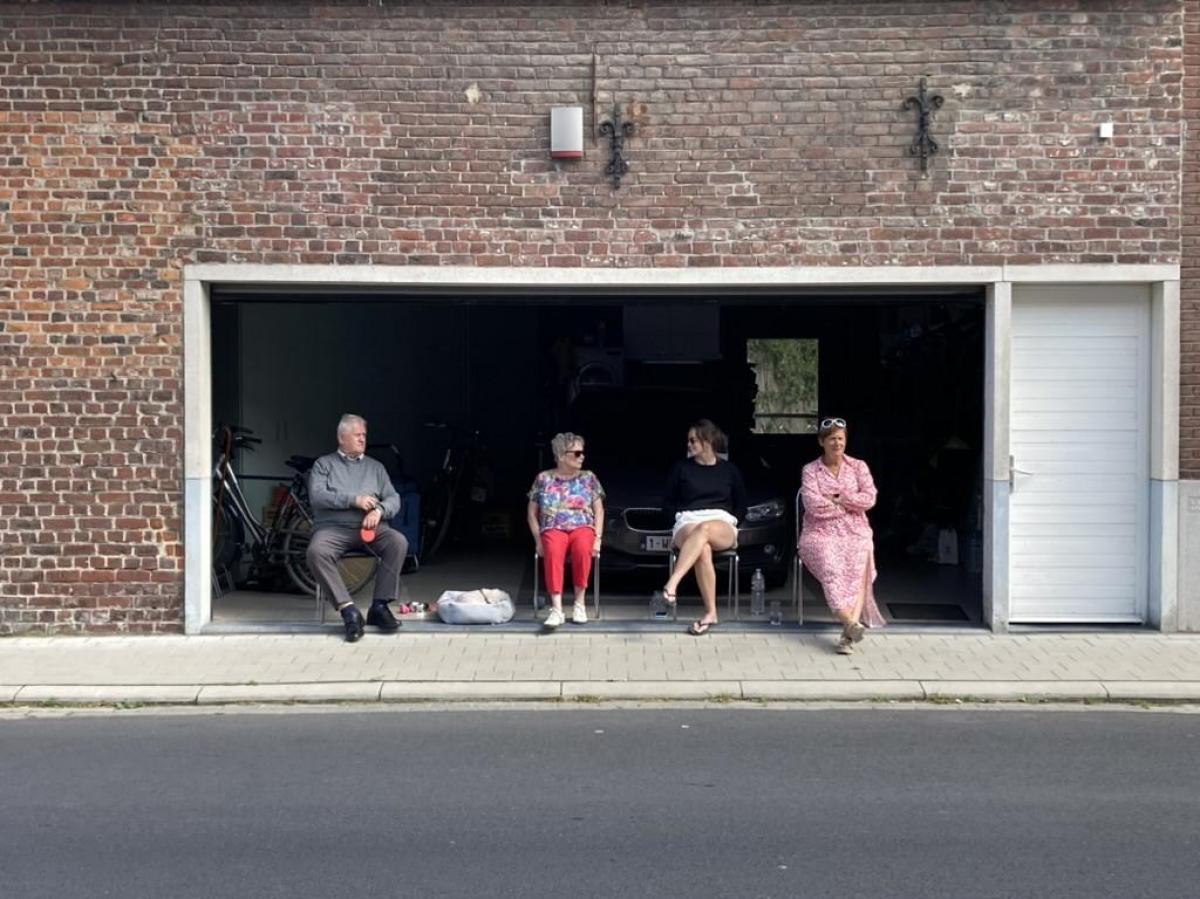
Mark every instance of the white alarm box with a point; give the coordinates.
(566, 132)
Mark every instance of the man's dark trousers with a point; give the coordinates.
(330, 542)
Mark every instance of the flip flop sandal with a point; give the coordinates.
(700, 628)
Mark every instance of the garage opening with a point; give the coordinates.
(463, 394)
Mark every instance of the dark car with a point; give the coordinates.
(633, 438)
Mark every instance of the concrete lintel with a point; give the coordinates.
(469, 276)
(197, 380)
(1164, 380)
(1090, 273)
(997, 381)
(833, 690)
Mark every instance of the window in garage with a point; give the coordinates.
(785, 375)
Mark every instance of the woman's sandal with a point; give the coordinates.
(699, 628)
(668, 598)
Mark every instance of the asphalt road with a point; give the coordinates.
(589, 802)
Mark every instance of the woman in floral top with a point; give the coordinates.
(566, 513)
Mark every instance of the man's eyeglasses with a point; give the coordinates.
(832, 423)
(578, 454)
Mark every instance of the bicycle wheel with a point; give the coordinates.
(356, 571)
(228, 536)
(435, 524)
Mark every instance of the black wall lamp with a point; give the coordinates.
(616, 131)
(923, 144)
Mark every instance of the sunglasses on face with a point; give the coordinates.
(578, 454)
(832, 423)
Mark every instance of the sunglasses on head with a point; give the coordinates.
(832, 423)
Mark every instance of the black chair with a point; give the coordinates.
(729, 556)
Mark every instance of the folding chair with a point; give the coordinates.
(322, 605)
(798, 566)
(537, 570)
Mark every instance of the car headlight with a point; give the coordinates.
(768, 511)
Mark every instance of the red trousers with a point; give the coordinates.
(557, 544)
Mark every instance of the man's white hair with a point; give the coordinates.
(348, 421)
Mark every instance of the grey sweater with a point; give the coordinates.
(335, 481)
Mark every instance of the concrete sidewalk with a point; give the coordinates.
(575, 664)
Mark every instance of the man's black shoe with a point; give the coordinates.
(354, 623)
(381, 616)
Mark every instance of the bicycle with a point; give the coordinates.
(463, 478)
(281, 544)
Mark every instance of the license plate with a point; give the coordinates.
(656, 543)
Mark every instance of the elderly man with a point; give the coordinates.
(352, 501)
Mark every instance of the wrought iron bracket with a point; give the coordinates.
(616, 131)
(923, 144)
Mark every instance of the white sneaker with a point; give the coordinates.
(554, 618)
(855, 632)
(844, 646)
(579, 613)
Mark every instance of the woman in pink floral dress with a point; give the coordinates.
(566, 515)
(836, 543)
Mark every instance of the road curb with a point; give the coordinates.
(1152, 691)
(1016, 691)
(106, 694)
(676, 690)
(837, 690)
(470, 691)
(764, 691)
(214, 694)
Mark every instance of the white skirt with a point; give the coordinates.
(695, 516)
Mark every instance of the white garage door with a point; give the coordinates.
(1081, 455)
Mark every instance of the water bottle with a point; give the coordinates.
(758, 594)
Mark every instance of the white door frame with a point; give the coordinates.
(518, 283)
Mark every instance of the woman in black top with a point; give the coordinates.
(707, 496)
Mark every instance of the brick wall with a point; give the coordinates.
(1189, 399)
(135, 138)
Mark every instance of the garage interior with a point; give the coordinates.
(493, 377)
